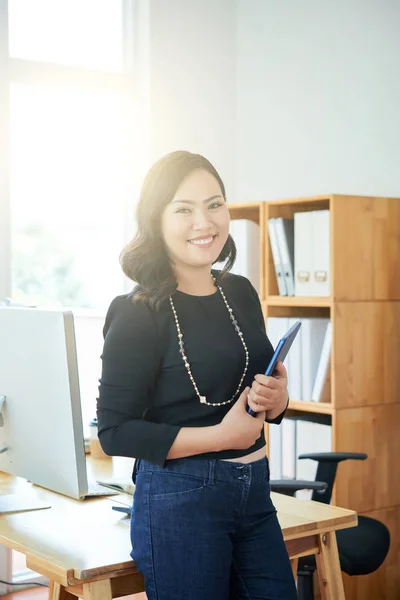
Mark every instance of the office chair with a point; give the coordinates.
(362, 549)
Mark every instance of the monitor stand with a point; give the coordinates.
(20, 502)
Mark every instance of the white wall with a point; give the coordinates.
(192, 81)
(318, 92)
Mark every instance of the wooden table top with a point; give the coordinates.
(75, 540)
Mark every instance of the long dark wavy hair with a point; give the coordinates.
(145, 259)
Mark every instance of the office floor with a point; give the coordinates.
(43, 594)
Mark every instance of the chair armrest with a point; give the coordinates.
(334, 456)
(290, 486)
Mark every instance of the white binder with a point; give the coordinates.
(310, 437)
(293, 365)
(288, 448)
(312, 253)
(312, 339)
(246, 235)
(303, 250)
(275, 451)
(276, 328)
(323, 365)
(276, 257)
(321, 253)
(285, 233)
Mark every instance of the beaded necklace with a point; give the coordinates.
(182, 352)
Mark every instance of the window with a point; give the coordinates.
(82, 33)
(68, 196)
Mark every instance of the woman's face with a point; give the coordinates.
(195, 224)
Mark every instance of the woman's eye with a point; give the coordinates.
(183, 210)
(215, 205)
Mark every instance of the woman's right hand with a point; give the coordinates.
(238, 429)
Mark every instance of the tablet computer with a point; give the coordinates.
(280, 353)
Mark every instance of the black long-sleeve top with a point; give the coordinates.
(145, 393)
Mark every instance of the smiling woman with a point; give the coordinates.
(181, 352)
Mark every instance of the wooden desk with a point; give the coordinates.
(83, 547)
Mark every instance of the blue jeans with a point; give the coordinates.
(207, 530)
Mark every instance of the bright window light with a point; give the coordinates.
(70, 186)
(80, 33)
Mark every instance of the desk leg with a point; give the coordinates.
(97, 590)
(329, 573)
(58, 592)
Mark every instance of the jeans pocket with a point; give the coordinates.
(164, 485)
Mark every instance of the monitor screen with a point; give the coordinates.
(41, 429)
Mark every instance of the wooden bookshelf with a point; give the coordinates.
(297, 301)
(364, 376)
(324, 408)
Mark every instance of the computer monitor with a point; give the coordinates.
(41, 429)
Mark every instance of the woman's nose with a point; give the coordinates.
(201, 220)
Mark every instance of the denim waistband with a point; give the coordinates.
(211, 470)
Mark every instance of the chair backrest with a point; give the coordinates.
(326, 470)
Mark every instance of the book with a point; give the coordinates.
(276, 257)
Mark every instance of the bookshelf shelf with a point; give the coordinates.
(312, 407)
(298, 301)
(363, 381)
(251, 211)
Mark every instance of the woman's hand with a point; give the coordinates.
(238, 430)
(270, 394)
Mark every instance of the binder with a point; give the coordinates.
(303, 250)
(276, 257)
(310, 437)
(293, 365)
(276, 328)
(312, 253)
(275, 452)
(246, 235)
(285, 234)
(321, 253)
(288, 448)
(312, 339)
(323, 365)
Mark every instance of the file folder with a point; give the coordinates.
(285, 233)
(276, 257)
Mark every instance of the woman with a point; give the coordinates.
(183, 355)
